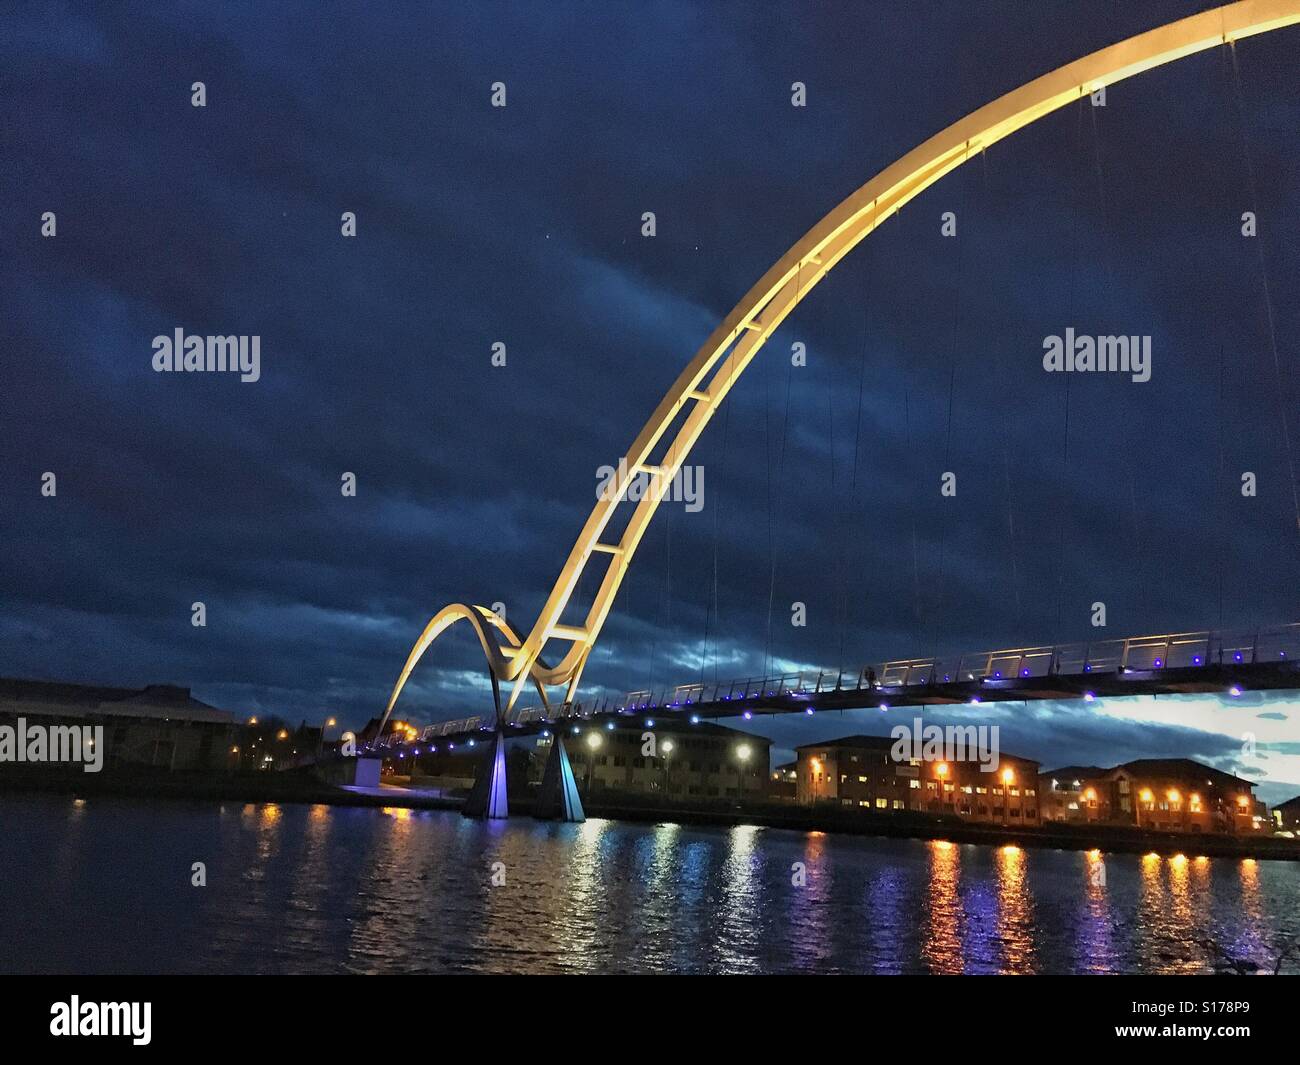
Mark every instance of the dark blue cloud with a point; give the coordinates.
(522, 225)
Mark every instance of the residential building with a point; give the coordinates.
(1076, 793)
(784, 783)
(674, 759)
(1166, 794)
(861, 772)
(1286, 815)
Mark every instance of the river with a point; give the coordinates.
(107, 885)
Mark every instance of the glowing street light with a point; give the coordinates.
(666, 748)
(593, 741)
(743, 751)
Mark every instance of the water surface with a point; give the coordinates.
(104, 885)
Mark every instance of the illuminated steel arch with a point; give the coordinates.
(711, 373)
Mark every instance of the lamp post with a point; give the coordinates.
(667, 748)
(320, 745)
(742, 758)
(593, 742)
(941, 775)
(1008, 778)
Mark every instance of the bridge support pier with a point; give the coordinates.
(487, 799)
(557, 798)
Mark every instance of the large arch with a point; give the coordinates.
(709, 376)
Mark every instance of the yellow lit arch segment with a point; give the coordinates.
(705, 382)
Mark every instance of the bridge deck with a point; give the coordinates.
(1174, 664)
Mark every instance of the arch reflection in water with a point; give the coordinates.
(357, 890)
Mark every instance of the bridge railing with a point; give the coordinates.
(1135, 654)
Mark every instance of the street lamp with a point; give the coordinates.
(320, 744)
(667, 748)
(1008, 778)
(941, 773)
(593, 742)
(742, 757)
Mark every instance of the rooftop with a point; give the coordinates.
(153, 700)
(871, 743)
(1181, 767)
(1076, 772)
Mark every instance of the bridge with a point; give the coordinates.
(1180, 662)
(1206, 662)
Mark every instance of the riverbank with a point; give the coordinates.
(1112, 839)
(295, 786)
(301, 787)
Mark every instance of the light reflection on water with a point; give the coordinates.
(105, 885)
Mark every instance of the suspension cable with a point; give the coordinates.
(717, 517)
(952, 388)
(1075, 210)
(1264, 280)
(850, 506)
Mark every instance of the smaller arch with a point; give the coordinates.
(485, 623)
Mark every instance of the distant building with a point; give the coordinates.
(160, 726)
(859, 771)
(697, 762)
(1286, 815)
(1075, 793)
(784, 782)
(1167, 794)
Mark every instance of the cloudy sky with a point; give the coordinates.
(522, 225)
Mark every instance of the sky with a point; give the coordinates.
(523, 225)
